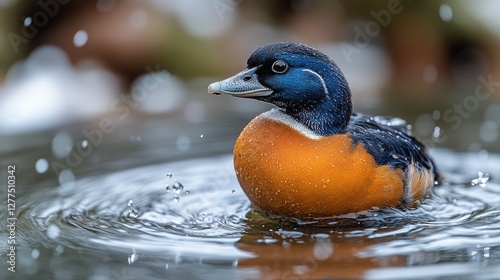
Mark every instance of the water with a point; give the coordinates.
(114, 218)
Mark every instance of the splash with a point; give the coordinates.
(132, 210)
(481, 179)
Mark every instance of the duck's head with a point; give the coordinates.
(302, 81)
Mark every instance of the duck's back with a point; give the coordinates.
(389, 140)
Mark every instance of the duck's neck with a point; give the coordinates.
(331, 116)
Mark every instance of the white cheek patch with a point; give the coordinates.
(325, 89)
(278, 116)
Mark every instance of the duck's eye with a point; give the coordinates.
(279, 66)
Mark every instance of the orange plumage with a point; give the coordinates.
(286, 173)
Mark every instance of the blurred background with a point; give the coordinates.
(101, 65)
(91, 88)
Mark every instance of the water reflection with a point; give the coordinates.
(289, 251)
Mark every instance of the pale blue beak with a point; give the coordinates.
(243, 84)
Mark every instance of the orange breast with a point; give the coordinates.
(286, 173)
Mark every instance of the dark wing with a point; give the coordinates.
(390, 142)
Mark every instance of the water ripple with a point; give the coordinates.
(131, 211)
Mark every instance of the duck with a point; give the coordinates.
(311, 157)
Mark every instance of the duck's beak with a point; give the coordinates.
(243, 84)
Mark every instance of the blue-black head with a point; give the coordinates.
(305, 83)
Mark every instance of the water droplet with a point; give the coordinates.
(177, 187)
(445, 12)
(188, 192)
(132, 210)
(233, 191)
(59, 250)
(436, 133)
(28, 21)
(436, 115)
(35, 254)
(323, 249)
(53, 231)
(486, 252)
(201, 135)
(166, 266)
(66, 177)
(169, 175)
(300, 269)
(176, 198)
(389, 121)
(132, 258)
(85, 143)
(80, 39)
(483, 154)
(41, 165)
(481, 179)
(167, 188)
(62, 144)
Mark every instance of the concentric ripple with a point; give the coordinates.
(205, 215)
(208, 212)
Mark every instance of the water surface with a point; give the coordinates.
(165, 203)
